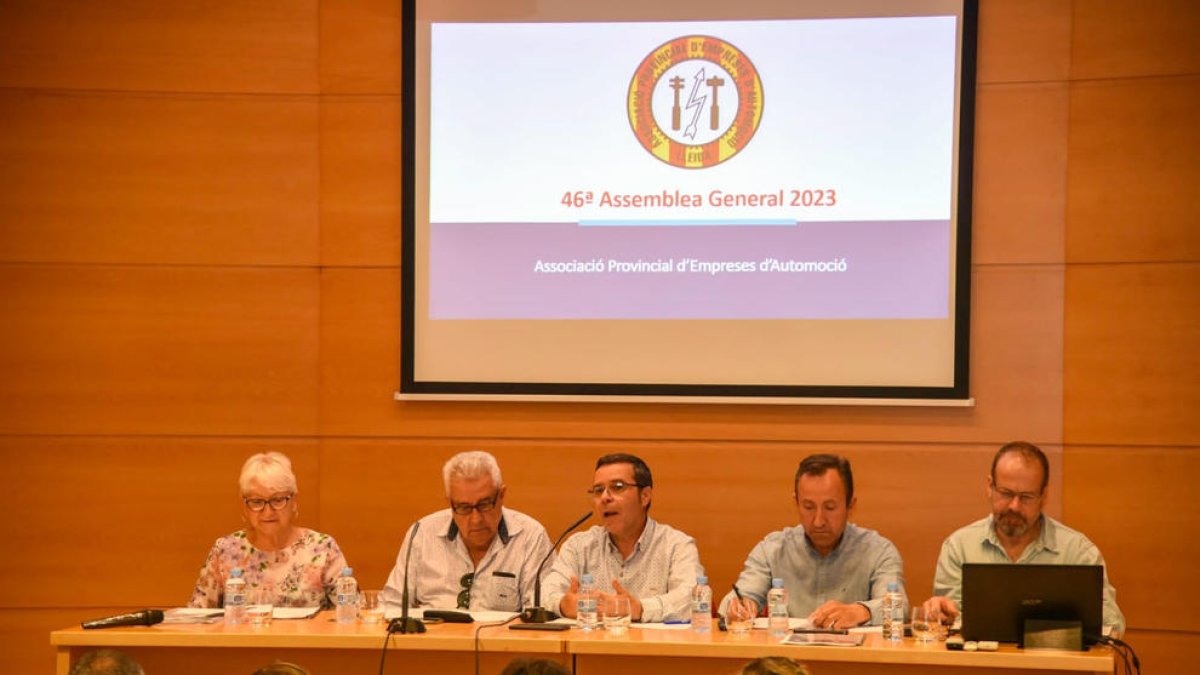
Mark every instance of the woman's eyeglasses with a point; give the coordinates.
(276, 503)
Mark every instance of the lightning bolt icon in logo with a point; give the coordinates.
(696, 100)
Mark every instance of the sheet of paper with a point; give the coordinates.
(193, 615)
(761, 622)
(824, 639)
(294, 612)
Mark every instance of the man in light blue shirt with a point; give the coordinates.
(836, 573)
(1016, 532)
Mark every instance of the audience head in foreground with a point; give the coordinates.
(535, 667)
(836, 573)
(300, 565)
(477, 554)
(1016, 531)
(281, 668)
(106, 662)
(774, 665)
(628, 554)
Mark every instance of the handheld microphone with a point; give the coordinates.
(537, 613)
(406, 624)
(145, 617)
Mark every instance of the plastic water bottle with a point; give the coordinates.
(235, 597)
(777, 609)
(585, 605)
(346, 589)
(702, 605)
(893, 613)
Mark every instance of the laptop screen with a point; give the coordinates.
(997, 599)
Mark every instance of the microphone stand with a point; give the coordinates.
(407, 624)
(538, 614)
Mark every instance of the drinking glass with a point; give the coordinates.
(370, 606)
(617, 614)
(260, 606)
(924, 625)
(739, 616)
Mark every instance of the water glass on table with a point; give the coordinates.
(617, 614)
(739, 615)
(925, 625)
(370, 606)
(260, 606)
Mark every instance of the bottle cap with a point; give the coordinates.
(776, 583)
(347, 571)
(586, 579)
(236, 573)
(701, 580)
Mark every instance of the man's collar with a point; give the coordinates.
(501, 530)
(836, 547)
(647, 533)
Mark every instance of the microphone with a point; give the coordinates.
(406, 624)
(537, 613)
(145, 617)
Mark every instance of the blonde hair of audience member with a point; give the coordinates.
(526, 666)
(281, 668)
(774, 665)
(267, 476)
(106, 662)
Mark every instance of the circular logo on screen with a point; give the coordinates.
(695, 101)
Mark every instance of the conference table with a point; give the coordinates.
(323, 646)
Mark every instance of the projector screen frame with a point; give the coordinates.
(957, 394)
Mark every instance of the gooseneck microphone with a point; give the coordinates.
(537, 613)
(145, 617)
(406, 624)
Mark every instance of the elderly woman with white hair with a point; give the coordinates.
(272, 551)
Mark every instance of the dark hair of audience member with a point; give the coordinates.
(106, 662)
(774, 665)
(281, 668)
(525, 666)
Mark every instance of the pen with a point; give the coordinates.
(737, 592)
(675, 622)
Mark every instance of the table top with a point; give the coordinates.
(322, 632)
(874, 649)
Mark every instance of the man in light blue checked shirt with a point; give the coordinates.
(629, 553)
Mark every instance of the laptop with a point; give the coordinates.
(998, 599)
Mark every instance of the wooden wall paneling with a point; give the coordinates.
(119, 178)
(147, 350)
(135, 45)
(123, 521)
(25, 634)
(1134, 170)
(1131, 363)
(360, 46)
(360, 181)
(1138, 505)
(1131, 38)
(1024, 40)
(1016, 360)
(1020, 173)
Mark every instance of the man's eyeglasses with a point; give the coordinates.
(1005, 496)
(276, 503)
(482, 506)
(464, 596)
(615, 488)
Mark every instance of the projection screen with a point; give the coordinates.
(697, 201)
